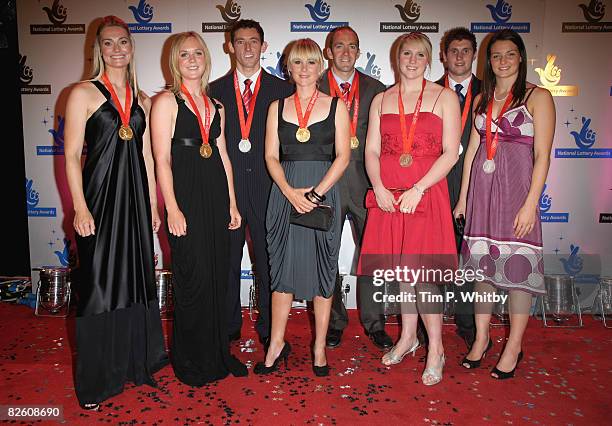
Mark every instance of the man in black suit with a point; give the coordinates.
(356, 89)
(458, 49)
(246, 92)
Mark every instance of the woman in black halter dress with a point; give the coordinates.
(201, 210)
(118, 327)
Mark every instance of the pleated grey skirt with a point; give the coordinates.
(303, 261)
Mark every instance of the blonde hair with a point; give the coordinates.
(306, 49)
(99, 67)
(175, 47)
(418, 37)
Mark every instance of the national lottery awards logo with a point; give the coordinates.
(58, 140)
(26, 76)
(32, 199)
(370, 67)
(410, 13)
(501, 12)
(57, 15)
(584, 138)
(230, 13)
(320, 12)
(593, 14)
(573, 265)
(545, 214)
(279, 69)
(550, 77)
(143, 15)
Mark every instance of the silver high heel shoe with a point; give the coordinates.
(391, 358)
(433, 375)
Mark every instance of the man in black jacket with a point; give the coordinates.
(458, 49)
(246, 92)
(357, 90)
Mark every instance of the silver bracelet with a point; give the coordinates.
(419, 190)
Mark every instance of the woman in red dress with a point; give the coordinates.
(408, 156)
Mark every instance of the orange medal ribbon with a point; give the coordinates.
(466, 106)
(353, 95)
(303, 134)
(125, 131)
(408, 139)
(491, 141)
(205, 149)
(245, 125)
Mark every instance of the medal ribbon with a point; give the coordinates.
(245, 125)
(204, 128)
(466, 106)
(303, 121)
(407, 140)
(492, 141)
(124, 113)
(353, 94)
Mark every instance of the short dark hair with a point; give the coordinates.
(246, 23)
(337, 30)
(458, 33)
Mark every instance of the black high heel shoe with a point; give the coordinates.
(469, 363)
(320, 371)
(90, 407)
(503, 375)
(262, 369)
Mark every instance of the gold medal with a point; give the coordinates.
(354, 142)
(405, 160)
(126, 133)
(205, 150)
(302, 134)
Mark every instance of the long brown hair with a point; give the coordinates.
(488, 83)
(99, 67)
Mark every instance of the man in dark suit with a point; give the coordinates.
(458, 50)
(246, 92)
(356, 89)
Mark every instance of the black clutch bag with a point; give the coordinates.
(319, 218)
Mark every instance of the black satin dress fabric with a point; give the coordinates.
(200, 349)
(118, 327)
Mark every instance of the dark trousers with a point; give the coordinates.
(464, 311)
(369, 313)
(257, 232)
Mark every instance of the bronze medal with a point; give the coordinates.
(205, 150)
(126, 133)
(405, 160)
(302, 135)
(354, 142)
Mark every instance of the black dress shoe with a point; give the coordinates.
(381, 339)
(333, 338)
(320, 371)
(234, 336)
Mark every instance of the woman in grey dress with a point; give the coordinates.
(307, 150)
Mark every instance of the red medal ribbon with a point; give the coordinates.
(492, 141)
(204, 128)
(124, 113)
(466, 106)
(353, 95)
(407, 140)
(303, 120)
(245, 125)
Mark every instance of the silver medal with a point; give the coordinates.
(244, 145)
(488, 166)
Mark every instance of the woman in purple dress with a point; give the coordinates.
(506, 165)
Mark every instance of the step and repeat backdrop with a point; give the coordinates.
(567, 43)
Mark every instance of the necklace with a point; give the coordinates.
(502, 99)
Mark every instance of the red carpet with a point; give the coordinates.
(564, 379)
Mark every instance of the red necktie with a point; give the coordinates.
(346, 88)
(247, 95)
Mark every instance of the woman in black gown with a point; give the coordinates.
(195, 176)
(118, 328)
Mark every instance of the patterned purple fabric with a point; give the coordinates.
(494, 201)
